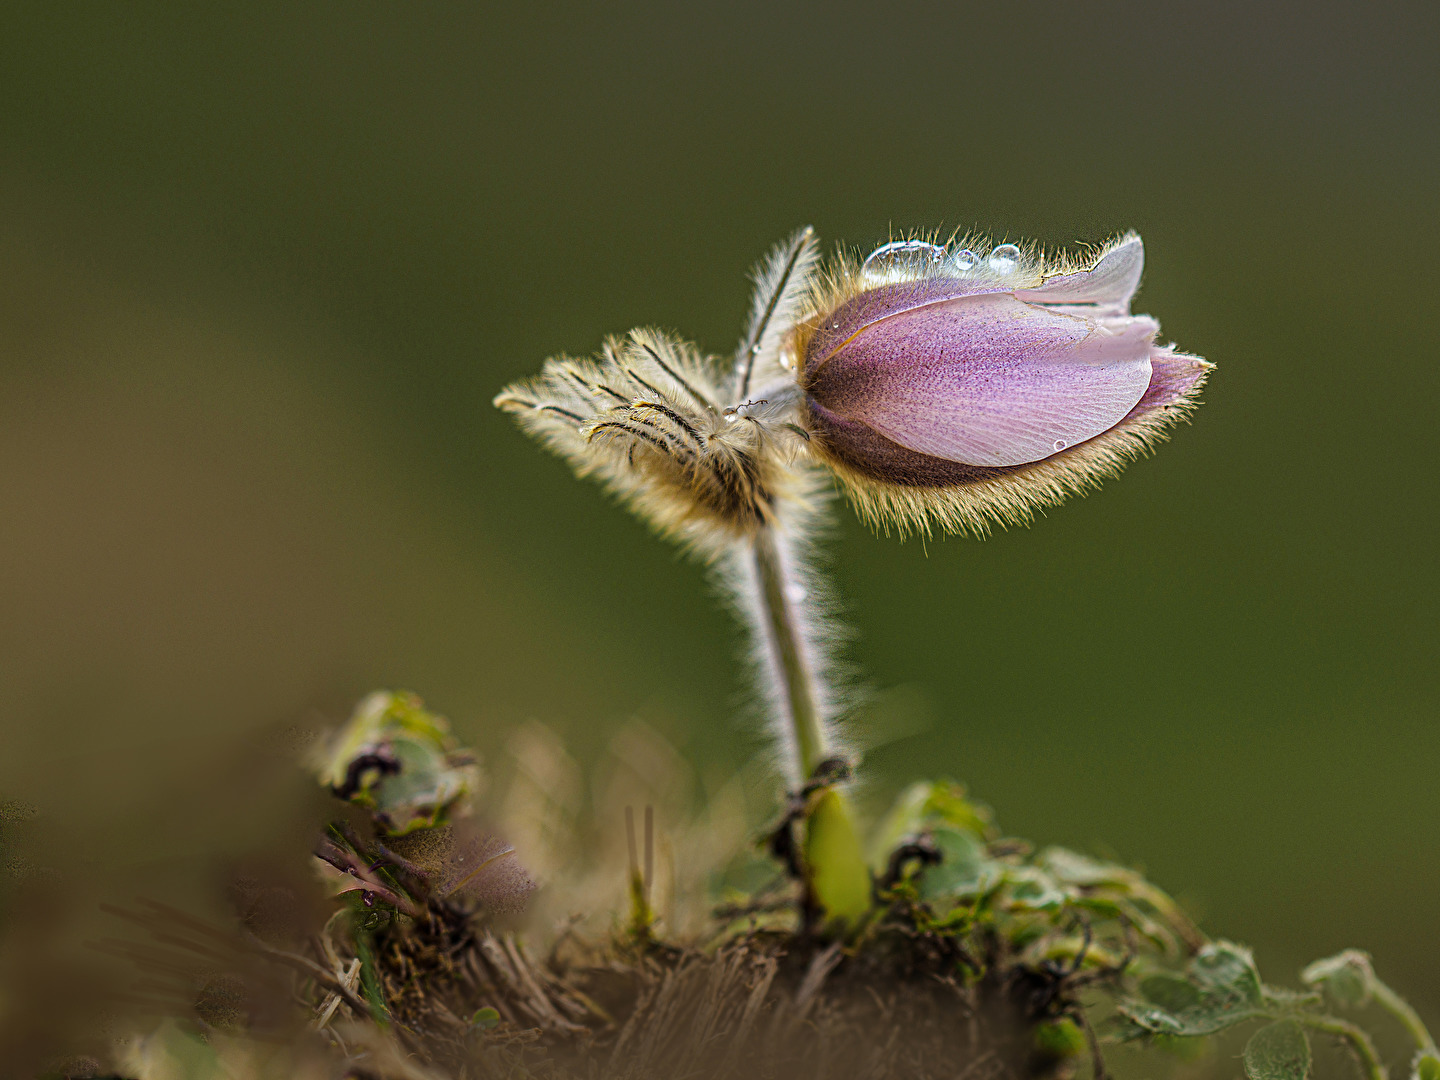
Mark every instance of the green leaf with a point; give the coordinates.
(485, 1019)
(1204, 1019)
(1223, 989)
(1427, 1066)
(923, 806)
(399, 761)
(1033, 889)
(1075, 869)
(964, 868)
(1225, 971)
(1347, 977)
(1170, 992)
(1278, 1051)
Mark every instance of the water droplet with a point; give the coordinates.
(368, 899)
(1061, 444)
(966, 261)
(1004, 258)
(903, 254)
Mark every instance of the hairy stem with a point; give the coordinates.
(788, 652)
(1399, 1008)
(791, 659)
(1358, 1041)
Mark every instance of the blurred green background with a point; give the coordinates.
(262, 268)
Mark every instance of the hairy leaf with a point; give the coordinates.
(1170, 992)
(1225, 970)
(1206, 1018)
(1278, 1051)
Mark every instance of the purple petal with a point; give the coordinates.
(883, 302)
(986, 379)
(1104, 290)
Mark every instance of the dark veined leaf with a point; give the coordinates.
(1278, 1051)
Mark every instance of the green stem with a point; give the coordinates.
(837, 877)
(1359, 1041)
(1399, 1008)
(370, 972)
(783, 636)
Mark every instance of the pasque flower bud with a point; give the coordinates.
(958, 390)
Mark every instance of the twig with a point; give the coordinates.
(347, 863)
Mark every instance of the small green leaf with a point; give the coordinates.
(1227, 971)
(1170, 992)
(1212, 999)
(1204, 1019)
(1347, 977)
(1075, 869)
(963, 870)
(1033, 889)
(485, 1019)
(1278, 1051)
(398, 761)
(1427, 1066)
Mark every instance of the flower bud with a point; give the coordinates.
(968, 391)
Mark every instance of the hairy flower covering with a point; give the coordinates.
(940, 386)
(961, 390)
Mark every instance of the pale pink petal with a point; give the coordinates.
(1103, 290)
(884, 302)
(986, 379)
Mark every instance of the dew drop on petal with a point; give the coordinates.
(1061, 444)
(1004, 258)
(903, 254)
(966, 260)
